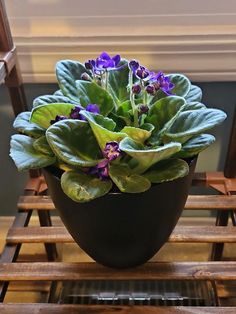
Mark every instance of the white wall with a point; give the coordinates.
(197, 38)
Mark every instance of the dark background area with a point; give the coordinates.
(220, 95)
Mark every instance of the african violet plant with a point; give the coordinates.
(114, 123)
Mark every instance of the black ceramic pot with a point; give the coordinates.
(122, 230)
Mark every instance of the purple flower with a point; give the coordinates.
(103, 63)
(142, 72)
(139, 71)
(162, 82)
(111, 151)
(93, 108)
(58, 118)
(75, 112)
(134, 65)
(101, 170)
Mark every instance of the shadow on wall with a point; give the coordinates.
(221, 95)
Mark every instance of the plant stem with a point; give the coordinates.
(134, 108)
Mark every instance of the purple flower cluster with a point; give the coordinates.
(75, 113)
(153, 81)
(110, 153)
(103, 63)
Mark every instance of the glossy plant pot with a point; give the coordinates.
(122, 230)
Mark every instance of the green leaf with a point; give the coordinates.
(194, 94)
(99, 126)
(58, 93)
(195, 145)
(42, 146)
(119, 121)
(52, 99)
(138, 135)
(194, 106)
(82, 187)
(73, 142)
(42, 115)
(68, 72)
(167, 170)
(118, 82)
(126, 181)
(182, 84)
(22, 125)
(190, 123)
(91, 93)
(124, 109)
(164, 110)
(25, 156)
(148, 126)
(147, 156)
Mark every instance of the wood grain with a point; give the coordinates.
(89, 271)
(181, 234)
(204, 202)
(107, 309)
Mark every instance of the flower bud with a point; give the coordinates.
(143, 109)
(136, 89)
(150, 89)
(89, 64)
(84, 76)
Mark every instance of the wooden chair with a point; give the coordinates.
(10, 75)
(12, 270)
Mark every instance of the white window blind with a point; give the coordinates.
(197, 38)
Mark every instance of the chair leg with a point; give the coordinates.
(14, 84)
(45, 221)
(218, 248)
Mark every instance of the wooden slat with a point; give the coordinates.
(186, 234)
(88, 271)
(108, 309)
(205, 202)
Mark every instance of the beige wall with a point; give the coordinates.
(197, 38)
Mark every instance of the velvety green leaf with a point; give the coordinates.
(42, 146)
(68, 72)
(73, 142)
(99, 125)
(126, 181)
(42, 115)
(138, 135)
(118, 82)
(58, 93)
(190, 123)
(195, 145)
(91, 93)
(148, 126)
(194, 94)
(22, 125)
(164, 110)
(167, 170)
(182, 84)
(147, 156)
(82, 187)
(25, 156)
(52, 99)
(124, 109)
(194, 106)
(120, 122)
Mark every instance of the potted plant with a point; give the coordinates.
(118, 145)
